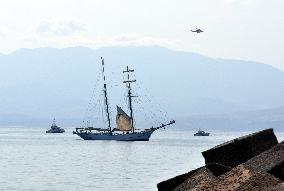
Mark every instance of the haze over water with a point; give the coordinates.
(33, 160)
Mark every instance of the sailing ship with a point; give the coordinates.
(55, 129)
(124, 130)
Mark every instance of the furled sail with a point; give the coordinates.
(123, 121)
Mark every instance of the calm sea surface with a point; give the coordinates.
(30, 159)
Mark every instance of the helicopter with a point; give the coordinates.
(197, 30)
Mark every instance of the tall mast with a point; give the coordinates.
(105, 94)
(54, 123)
(130, 96)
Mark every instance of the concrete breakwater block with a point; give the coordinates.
(240, 150)
(260, 167)
(171, 184)
(210, 171)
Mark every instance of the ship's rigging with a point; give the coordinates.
(99, 113)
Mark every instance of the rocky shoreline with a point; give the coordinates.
(253, 162)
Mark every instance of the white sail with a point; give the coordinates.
(123, 121)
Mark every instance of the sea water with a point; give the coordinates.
(30, 159)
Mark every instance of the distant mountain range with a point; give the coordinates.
(39, 84)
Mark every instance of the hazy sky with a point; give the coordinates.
(239, 29)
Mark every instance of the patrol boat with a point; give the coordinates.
(201, 133)
(124, 130)
(55, 129)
